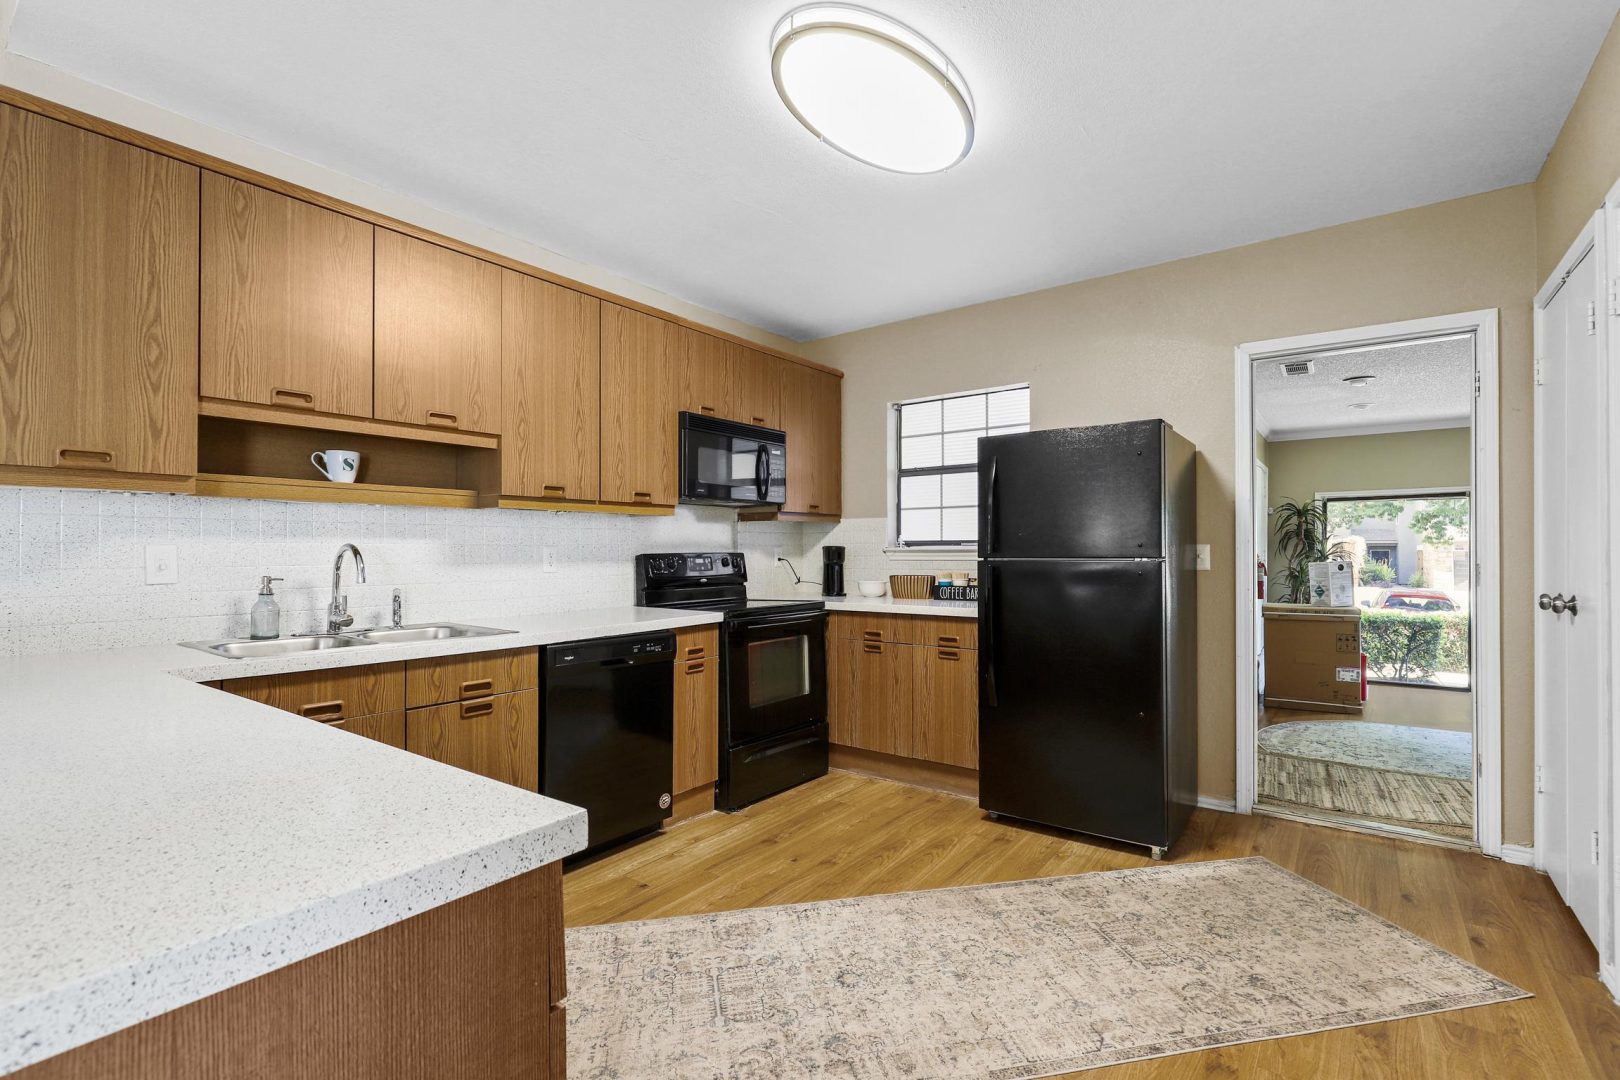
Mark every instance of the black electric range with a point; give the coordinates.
(773, 671)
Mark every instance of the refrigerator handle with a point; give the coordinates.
(990, 513)
(987, 634)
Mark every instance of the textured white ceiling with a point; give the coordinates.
(646, 138)
(1416, 385)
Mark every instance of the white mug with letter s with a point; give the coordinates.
(341, 466)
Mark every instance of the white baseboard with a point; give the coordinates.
(1609, 976)
(1519, 854)
(1210, 802)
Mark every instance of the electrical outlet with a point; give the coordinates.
(1202, 552)
(548, 560)
(162, 564)
(776, 556)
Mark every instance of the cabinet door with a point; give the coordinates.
(551, 379)
(812, 401)
(697, 723)
(710, 371)
(945, 688)
(878, 702)
(388, 728)
(98, 302)
(640, 372)
(497, 737)
(760, 389)
(286, 301)
(328, 695)
(438, 336)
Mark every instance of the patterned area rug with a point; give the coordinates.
(1013, 981)
(1419, 778)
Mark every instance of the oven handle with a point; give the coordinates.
(778, 622)
(809, 740)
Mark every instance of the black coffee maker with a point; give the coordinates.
(832, 570)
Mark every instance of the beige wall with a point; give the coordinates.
(1158, 342)
(1585, 160)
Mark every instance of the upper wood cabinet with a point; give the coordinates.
(551, 381)
(98, 302)
(286, 301)
(759, 388)
(709, 374)
(813, 420)
(438, 335)
(640, 388)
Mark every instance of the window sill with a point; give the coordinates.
(931, 554)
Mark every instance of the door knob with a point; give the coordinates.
(1571, 606)
(1544, 602)
(1559, 604)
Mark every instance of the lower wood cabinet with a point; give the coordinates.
(697, 709)
(497, 737)
(388, 727)
(366, 701)
(907, 700)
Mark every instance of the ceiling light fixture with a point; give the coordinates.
(1359, 380)
(1361, 404)
(872, 88)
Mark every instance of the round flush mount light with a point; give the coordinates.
(1358, 380)
(872, 88)
(1361, 404)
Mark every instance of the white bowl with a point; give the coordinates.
(871, 588)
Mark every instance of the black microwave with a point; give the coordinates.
(724, 463)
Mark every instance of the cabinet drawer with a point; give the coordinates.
(939, 631)
(330, 695)
(864, 626)
(700, 643)
(439, 679)
(497, 737)
(387, 728)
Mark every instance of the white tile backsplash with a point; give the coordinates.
(72, 563)
(864, 540)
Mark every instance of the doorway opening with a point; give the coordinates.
(1367, 665)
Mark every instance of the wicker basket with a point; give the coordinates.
(911, 586)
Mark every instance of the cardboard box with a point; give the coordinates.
(1333, 583)
(1313, 658)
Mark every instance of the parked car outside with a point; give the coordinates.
(1408, 599)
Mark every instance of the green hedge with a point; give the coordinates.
(1412, 646)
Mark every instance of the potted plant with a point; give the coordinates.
(1301, 529)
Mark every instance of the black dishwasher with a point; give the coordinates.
(609, 732)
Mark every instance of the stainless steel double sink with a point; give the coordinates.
(247, 648)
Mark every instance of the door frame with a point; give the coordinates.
(1485, 486)
(1595, 239)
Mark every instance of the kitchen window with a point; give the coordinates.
(936, 462)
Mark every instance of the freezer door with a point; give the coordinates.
(1073, 493)
(1071, 726)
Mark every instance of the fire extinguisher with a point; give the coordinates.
(1262, 579)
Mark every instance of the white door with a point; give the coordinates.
(1571, 539)
(1262, 548)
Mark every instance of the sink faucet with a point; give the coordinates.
(337, 614)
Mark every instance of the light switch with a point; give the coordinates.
(1202, 553)
(162, 564)
(548, 560)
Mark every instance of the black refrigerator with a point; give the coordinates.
(1088, 685)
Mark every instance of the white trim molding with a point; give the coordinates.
(1485, 490)
(1211, 802)
(1348, 430)
(1520, 855)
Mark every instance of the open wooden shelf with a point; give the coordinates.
(299, 490)
(350, 425)
(521, 502)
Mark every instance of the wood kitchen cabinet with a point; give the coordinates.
(286, 301)
(640, 391)
(905, 685)
(551, 382)
(871, 696)
(497, 736)
(697, 709)
(759, 388)
(437, 335)
(367, 701)
(812, 417)
(98, 308)
(945, 713)
(711, 369)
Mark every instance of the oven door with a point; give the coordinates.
(729, 464)
(776, 675)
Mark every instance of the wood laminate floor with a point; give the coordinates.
(848, 835)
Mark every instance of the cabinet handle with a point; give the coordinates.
(815, 506)
(477, 688)
(947, 640)
(478, 708)
(443, 419)
(707, 410)
(85, 458)
(872, 647)
(694, 650)
(759, 420)
(553, 491)
(339, 722)
(872, 635)
(695, 667)
(299, 398)
(317, 709)
(641, 496)
(949, 654)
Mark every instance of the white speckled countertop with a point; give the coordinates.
(161, 841)
(888, 605)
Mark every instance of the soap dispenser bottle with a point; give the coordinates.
(266, 616)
